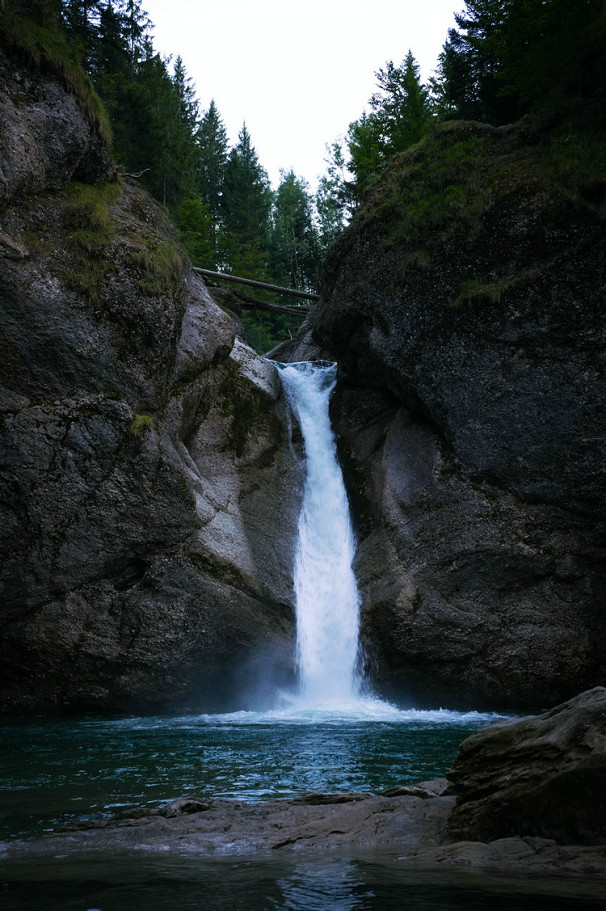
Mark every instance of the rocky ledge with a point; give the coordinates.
(495, 811)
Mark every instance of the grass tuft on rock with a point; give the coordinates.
(45, 47)
(86, 209)
(140, 424)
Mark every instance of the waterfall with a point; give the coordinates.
(327, 598)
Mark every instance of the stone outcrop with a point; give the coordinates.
(353, 823)
(541, 776)
(464, 306)
(149, 495)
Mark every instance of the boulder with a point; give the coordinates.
(542, 776)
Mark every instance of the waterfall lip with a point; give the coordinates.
(304, 364)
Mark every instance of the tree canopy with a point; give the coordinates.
(506, 59)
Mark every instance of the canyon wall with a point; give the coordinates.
(464, 305)
(149, 493)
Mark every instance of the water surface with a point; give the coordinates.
(53, 772)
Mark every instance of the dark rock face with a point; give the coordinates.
(46, 140)
(148, 491)
(542, 776)
(471, 405)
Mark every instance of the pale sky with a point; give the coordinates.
(297, 73)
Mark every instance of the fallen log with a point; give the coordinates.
(221, 276)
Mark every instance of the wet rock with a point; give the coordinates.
(424, 789)
(542, 776)
(229, 827)
(521, 856)
(185, 807)
(318, 800)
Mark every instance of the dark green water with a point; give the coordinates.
(54, 772)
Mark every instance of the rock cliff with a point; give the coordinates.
(465, 307)
(148, 491)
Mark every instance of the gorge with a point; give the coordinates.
(153, 478)
(150, 496)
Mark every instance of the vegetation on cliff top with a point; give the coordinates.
(542, 61)
(538, 61)
(33, 30)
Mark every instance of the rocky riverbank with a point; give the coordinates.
(524, 797)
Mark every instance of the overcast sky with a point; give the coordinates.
(298, 73)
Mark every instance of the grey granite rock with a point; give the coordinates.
(542, 776)
(471, 413)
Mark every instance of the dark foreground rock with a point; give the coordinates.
(543, 776)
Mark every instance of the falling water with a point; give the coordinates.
(325, 586)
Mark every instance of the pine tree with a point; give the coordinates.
(81, 24)
(511, 57)
(367, 159)
(110, 54)
(247, 196)
(400, 112)
(331, 197)
(211, 141)
(401, 106)
(294, 246)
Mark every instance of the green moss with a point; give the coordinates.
(46, 48)
(447, 184)
(415, 261)
(86, 209)
(158, 264)
(141, 423)
(577, 165)
(87, 205)
(36, 242)
(435, 187)
(477, 290)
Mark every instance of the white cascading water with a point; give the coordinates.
(325, 586)
(331, 686)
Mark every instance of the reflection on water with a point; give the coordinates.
(292, 884)
(54, 772)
